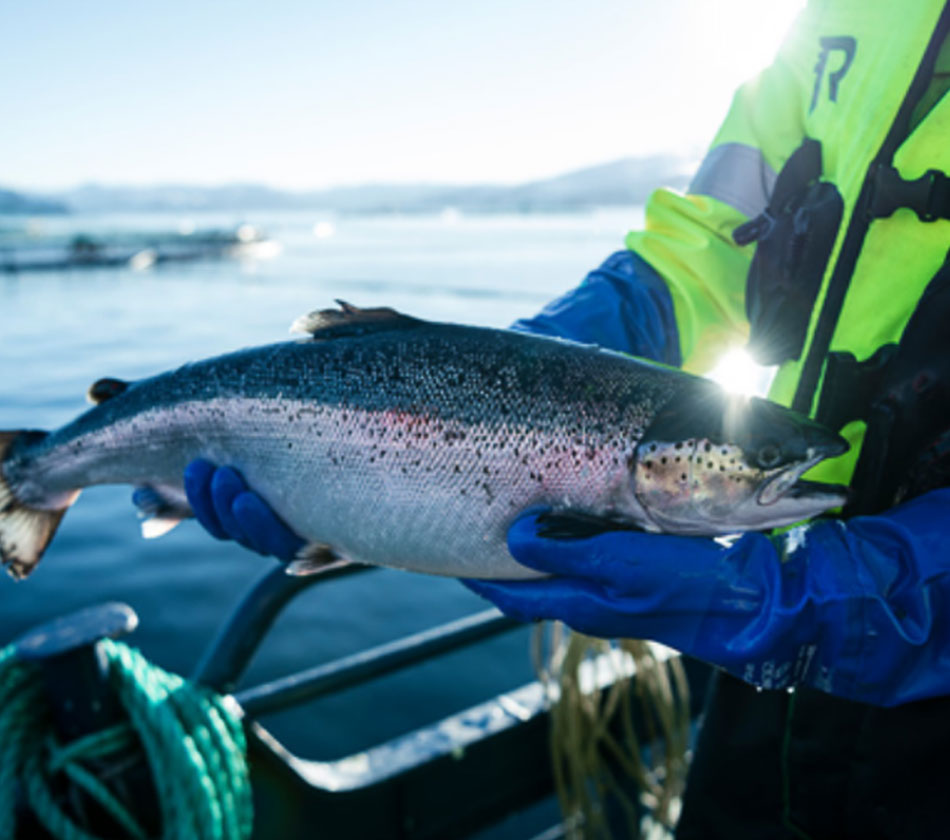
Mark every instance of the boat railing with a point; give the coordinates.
(447, 779)
(452, 778)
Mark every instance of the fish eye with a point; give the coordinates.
(768, 455)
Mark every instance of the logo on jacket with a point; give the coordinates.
(832, 44)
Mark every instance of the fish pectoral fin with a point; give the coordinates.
(105, 389)
(577, 525)
(160, 508)
(157, 527)
(349, 320)
(313, 558)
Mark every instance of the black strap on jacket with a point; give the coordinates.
(928, 196)
(795, 235)
(802, 168)
(903, 393)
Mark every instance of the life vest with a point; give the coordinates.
(853, 78)
(849, 298)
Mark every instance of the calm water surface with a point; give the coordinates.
(64, 329)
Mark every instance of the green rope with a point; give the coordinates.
(192, 738)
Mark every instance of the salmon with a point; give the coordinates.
(395, 441)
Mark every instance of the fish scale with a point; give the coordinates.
(393, 441)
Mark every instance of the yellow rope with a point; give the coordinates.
(598, 759)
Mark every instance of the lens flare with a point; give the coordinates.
(738, 373)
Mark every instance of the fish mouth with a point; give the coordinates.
(788, 484)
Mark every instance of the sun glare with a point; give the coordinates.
(324, 229)
(737, 372)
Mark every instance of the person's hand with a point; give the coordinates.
(688, 592)
(229, 510)
(856, 608)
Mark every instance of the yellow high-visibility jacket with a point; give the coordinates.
(862, 78)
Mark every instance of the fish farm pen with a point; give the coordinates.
(21, 253)
(484, 772)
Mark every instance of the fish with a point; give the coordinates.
(386, 439)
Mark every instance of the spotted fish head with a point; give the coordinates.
(713, 463)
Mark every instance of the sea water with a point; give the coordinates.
(61, 330)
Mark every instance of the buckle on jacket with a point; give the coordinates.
(754, 229)
(928, 196)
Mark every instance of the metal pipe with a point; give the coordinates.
(236, 642)
(368, 664)
(75, 670)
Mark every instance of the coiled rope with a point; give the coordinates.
(596, 753)
(192, 739)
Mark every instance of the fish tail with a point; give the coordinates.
(24, 531)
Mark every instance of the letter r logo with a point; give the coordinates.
(838, 43)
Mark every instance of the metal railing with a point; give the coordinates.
(444, 780)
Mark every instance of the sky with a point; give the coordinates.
(305, 94)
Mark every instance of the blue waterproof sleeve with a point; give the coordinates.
(860, 609)
(623, 305)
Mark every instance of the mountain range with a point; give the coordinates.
(29, 205)
(623, 182)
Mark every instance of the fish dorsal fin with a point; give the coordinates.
(105, 389)
(350, 320)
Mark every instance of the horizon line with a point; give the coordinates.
(52, 192)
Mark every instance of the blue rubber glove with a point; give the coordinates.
(858, 609)
(228, 510)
